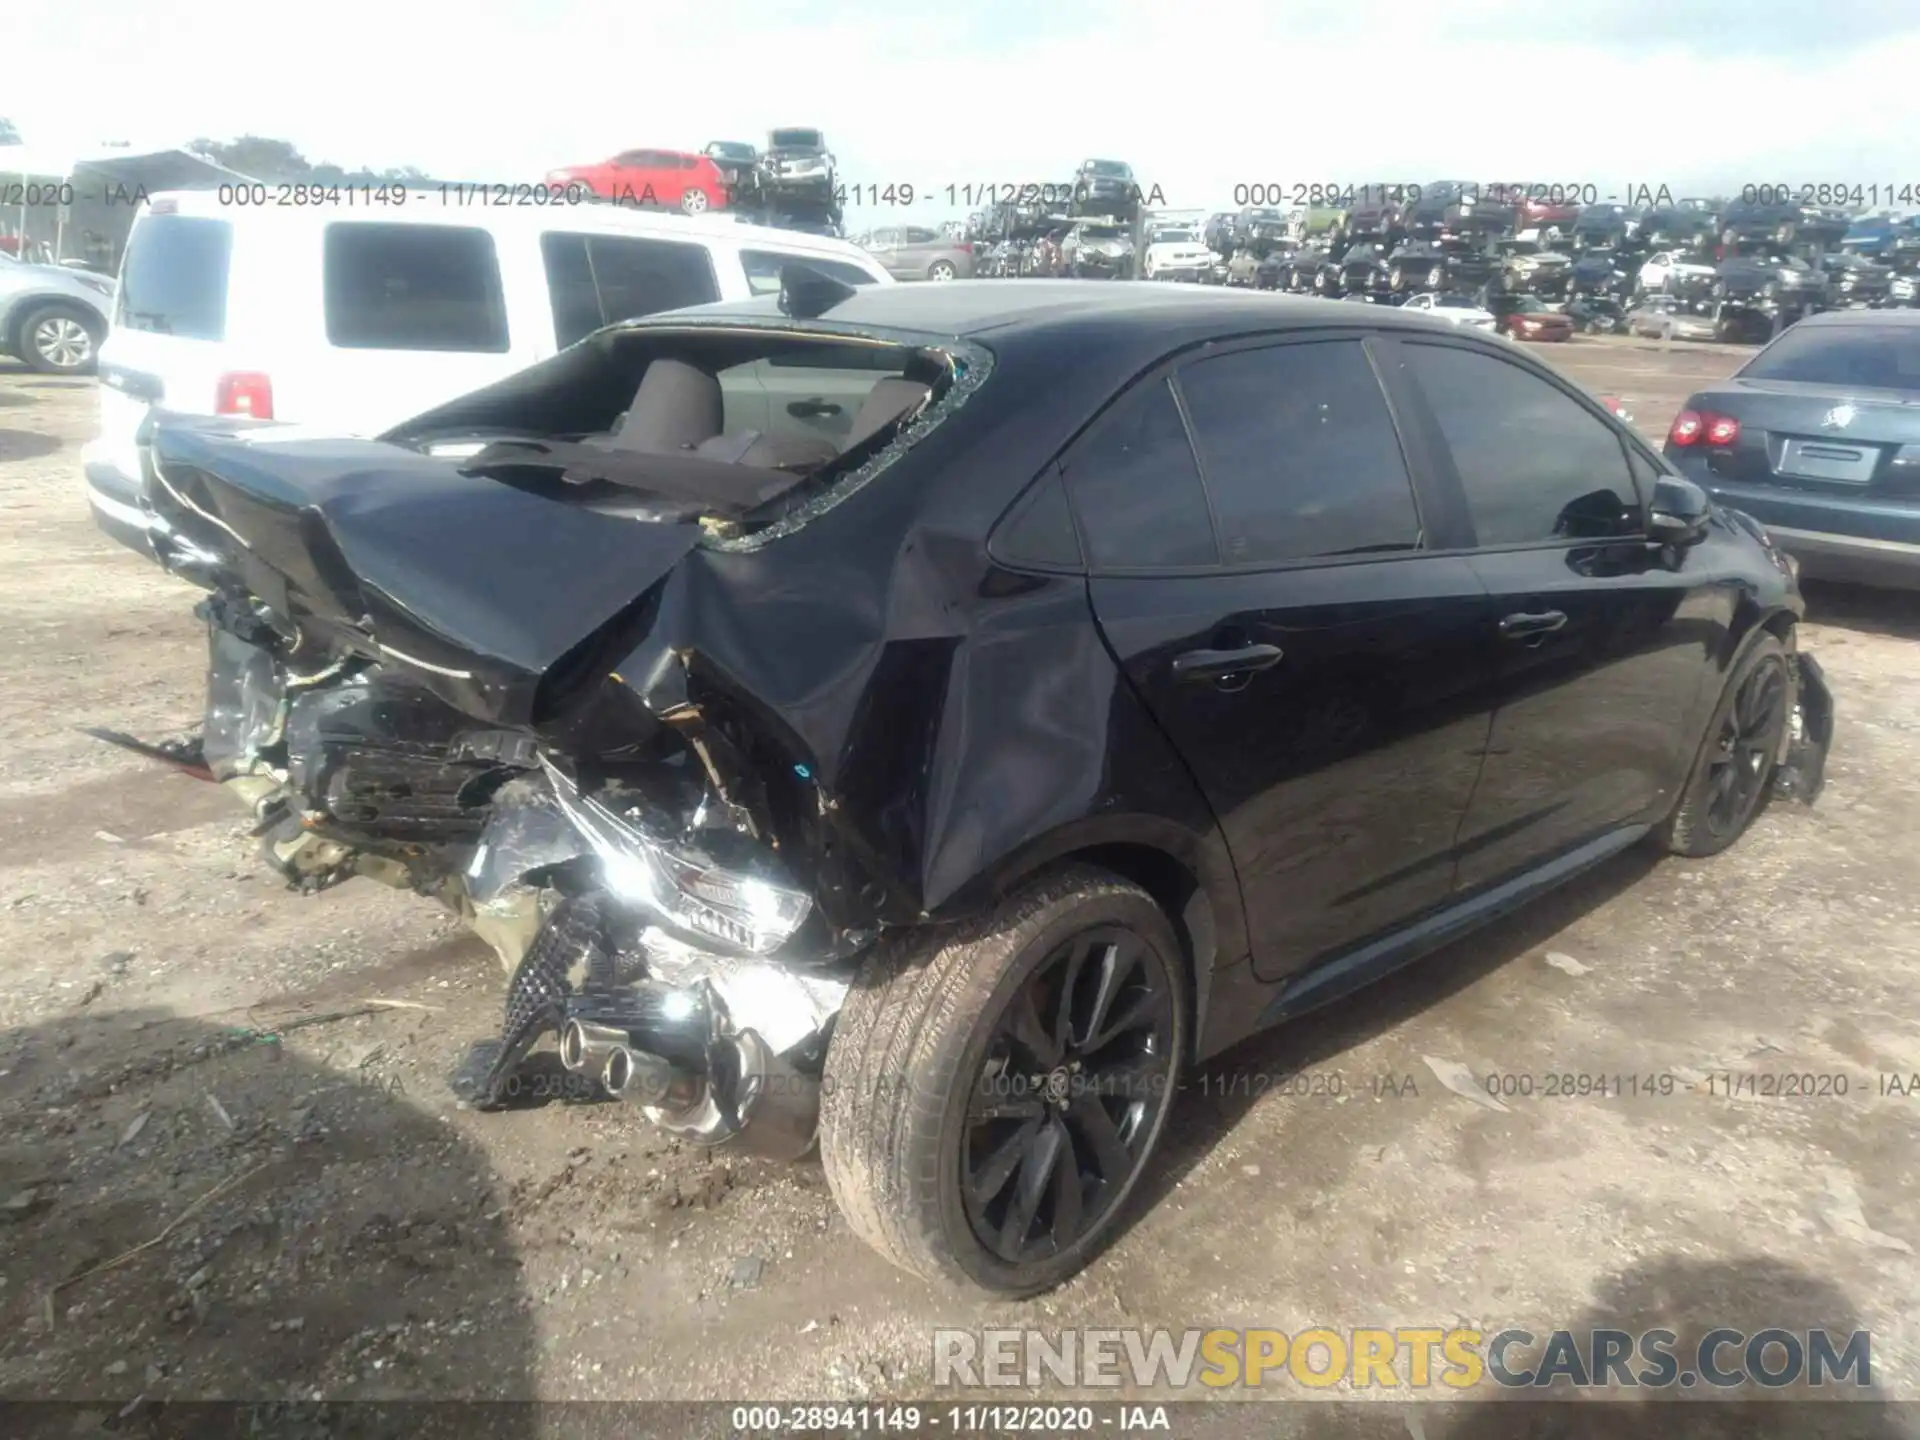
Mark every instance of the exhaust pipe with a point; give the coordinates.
(629, 1074)
(768, 1108)
(714, 1087)
(585, 1046)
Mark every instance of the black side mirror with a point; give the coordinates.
(1679, 513)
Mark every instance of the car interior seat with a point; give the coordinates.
(890, 399)
(675, 408)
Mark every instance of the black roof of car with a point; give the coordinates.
(1058, 307)
(1905, 319)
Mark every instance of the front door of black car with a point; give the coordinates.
(1258, 569)
(1602, 638)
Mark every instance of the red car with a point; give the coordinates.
(1542, 213)
(1527, 317)
(671, 179)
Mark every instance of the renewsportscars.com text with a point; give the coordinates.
(1406, 1358)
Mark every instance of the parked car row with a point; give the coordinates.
(1458, 207)
(1725, 269)
(790, 182)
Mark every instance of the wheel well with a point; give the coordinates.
(1180, 896)
(28, 308)
(1780, 623)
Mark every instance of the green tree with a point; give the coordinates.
(256, 157)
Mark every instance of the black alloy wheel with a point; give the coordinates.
(1732, 774)
(994, 1088)
(1741, 761)
(1078, 1068)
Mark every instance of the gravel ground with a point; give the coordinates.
(230, 1166)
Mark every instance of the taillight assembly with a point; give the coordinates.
(1691, 426)
(244, 392)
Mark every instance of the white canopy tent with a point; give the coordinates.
(93, 190)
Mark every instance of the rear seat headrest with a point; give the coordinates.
(675, 408)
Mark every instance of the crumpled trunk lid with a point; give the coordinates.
(477, 587)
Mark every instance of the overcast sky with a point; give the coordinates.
(1696, 94)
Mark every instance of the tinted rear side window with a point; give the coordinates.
(1300, 454)
(1137, 490)
(414, 287)
(763, 269)
(1536, 465)
(598, 279)
(174, 278)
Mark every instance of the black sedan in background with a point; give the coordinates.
(1766, 291)
(1855, 281)
(1818, 436)
(1183, 681)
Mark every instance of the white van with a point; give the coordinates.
(353, 319)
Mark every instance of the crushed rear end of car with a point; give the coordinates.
(519, 656)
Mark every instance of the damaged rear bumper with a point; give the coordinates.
(1802, 772)
(115, 498)
(680, 968)
(716, 1044)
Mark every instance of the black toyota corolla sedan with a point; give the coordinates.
(922, 720)
(1818, 436)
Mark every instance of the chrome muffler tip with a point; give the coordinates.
(586, 1046)
(630, 1074)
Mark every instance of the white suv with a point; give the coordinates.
(353, 320)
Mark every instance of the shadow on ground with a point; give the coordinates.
(27, 444)
(1208, 1111)
(1692, 1298)
(194, 1213)
(1894, 613)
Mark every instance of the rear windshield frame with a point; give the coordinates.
(208, 319)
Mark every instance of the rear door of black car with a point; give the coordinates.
(1265, 574)
(1603, 639)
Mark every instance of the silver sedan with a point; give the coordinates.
(1666, 319)
(916, 252)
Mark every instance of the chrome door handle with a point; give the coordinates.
(1198, 666)
(1526, 626)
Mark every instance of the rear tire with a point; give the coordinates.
(930, 1080)
(1732, 776)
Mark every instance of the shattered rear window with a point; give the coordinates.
(753, 429)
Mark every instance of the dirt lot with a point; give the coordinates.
(170, 1026)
